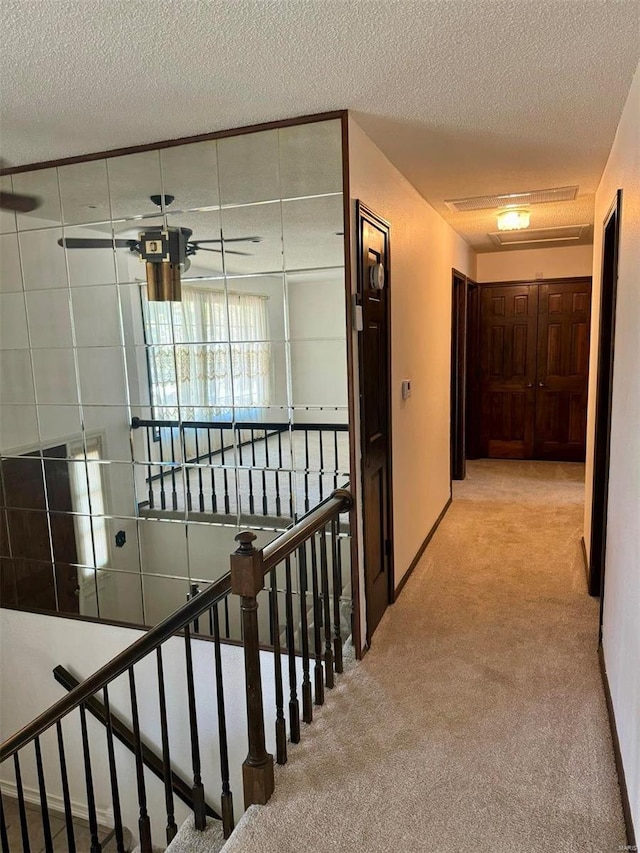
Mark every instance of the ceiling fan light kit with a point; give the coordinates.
(164, 253)
(513, 219)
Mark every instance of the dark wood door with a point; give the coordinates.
(564, 317)
(38, 547)
(373, 250)
(509, 316)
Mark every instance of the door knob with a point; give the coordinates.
(541, 385)
(529, 385)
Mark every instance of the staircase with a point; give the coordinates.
(179, 690)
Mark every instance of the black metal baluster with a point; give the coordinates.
(224, 474)
(326, 593)
(214, 500)
(113, 774)
(337, 594)
(144, 824)
(239, 475)
(291, 495)
(68, 816)
(187, 477)
(281, 729)
(166, 755)
(336, 466)
(149, 470)
(226, 618)
(318, 674)
(24, 832)
(251, 497)
(174, 494)
(265, 508)
(44, 806)
(266, 468)
(294, 708)
(321, 474)
(307, 709)
(306, 470)
(91, 800)
(226, 799)
(200, 486)
(3, 830)
(163, 496)
(194, 590)
(198, 788)
(278, 501)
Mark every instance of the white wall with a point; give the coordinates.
(529, 264)
(83, 647)
(423, 250)
(621, 628)
(316, 311)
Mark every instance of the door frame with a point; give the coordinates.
(458, 409)
(603, 401)
(364, 213)
(472, 379)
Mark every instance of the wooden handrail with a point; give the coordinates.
(340, 500)
(122, 662)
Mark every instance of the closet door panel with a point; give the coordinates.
(564, 317)
(508, 320)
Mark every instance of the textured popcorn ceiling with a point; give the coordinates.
(464, 97)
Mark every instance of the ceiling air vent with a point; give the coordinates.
(485, 202)
(560, 234)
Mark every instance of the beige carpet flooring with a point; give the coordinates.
(477, 721)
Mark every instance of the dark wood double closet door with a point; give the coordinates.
(534, 362)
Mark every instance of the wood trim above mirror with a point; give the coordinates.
(170, 143)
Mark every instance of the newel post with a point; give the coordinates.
(247, 579)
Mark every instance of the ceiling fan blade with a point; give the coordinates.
(219, 251)
(95, 243)
(19, 203)
(254, 239)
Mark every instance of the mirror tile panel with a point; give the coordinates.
(138, 437)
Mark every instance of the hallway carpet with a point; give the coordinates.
(477, 721)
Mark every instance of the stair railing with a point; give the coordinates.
(315, 545)
(265, 471)
(78, 699)
(249, 568)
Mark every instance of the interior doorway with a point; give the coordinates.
(374, 354)
(37, 534)
(604, 392)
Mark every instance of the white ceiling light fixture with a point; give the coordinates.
(513, 219)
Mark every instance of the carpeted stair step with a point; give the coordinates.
(190, 840)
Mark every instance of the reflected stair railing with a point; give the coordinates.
(208, 452)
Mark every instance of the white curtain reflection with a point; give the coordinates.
(208, 354)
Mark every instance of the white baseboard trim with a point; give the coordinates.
(56, 803)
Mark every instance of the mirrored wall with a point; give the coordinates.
(137, 437)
